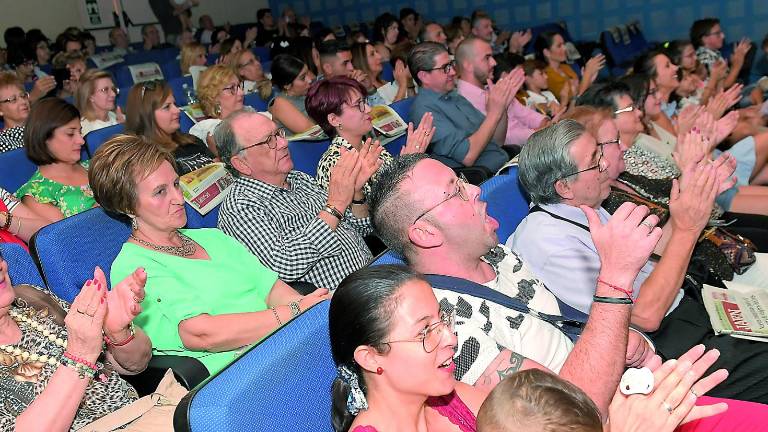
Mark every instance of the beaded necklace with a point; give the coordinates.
(26, 355)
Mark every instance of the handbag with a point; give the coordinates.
(738, 251)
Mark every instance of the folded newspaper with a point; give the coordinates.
(740, 311)
(315, 133)
(206, 187)
(387, 121)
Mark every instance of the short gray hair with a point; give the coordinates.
(546, 158)
(422, 58)
(226, 141)
(392, 209)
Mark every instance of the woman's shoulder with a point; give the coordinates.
(36, 186)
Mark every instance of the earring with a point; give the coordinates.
(379, 370)
(134, 223)
(217, 110)
(339, 127)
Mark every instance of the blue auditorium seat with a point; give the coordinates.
(403, 109)
(21, 267)
(185, 122)
(306, 154)
(262, 53)
(177, 88)
(507, 202)
(388, 257)
(197, 220)
(15, 169)
(255, 101)
(283, 383)
(387, 73)
(94, 139)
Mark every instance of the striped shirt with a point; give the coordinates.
(282, 227)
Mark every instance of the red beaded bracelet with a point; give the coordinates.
(124, 342)
(77, 359)
(617, 288)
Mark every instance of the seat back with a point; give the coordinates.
(306, 154)
(387, 73)
(283, 383)
(507, 202)
(197, 220)
(177, 88)
(15, 169)
(403, 109)
(21, 267)
(94, 139)
(262, 53)
(68, 251)
(388, 257)
(255, 101)
(185, 122)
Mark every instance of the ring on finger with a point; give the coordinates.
(648, 224)
(693, 392)
(82, 312)
(668, 407)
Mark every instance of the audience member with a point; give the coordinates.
(433, 32)
(56, 373)
(192, 54)
(561, 78)
(152, 112)
(167, 13)
(707, 37)
(19, 222)
(89, 43)
(475, 63)
(564, 172)
(229, 47)
(304, 49)
(482, 28)
(336, 60)
(339, 107)
(69, 42)
(151, 38)
(402, 86)
(72, 65)
(454, 36)
(95, 99)
(537, 96)
(221, 93)
(248, 69)
(219, 36)
(14, 108)
(410, 24)
(293, 225)
(205, 30)
(464, 25)
(464, 136)
(118, 38)
(386, 31)
(59, 187)
(38, 48)
(267, 30)
(292, 78)
(366, 59)
(14, 38)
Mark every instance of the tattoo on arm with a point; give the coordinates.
(515, 363)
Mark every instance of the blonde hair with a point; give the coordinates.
(119, 165)
(86, 89)
(536, 400)
(8, 79)
(263, 87)
(210, 84)
(188, 53)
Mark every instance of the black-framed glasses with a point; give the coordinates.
(446, 68)
(232, 90)
(461, 192)
(106, 90)
(614, 141)
(14, 99)
(360, 104)
(270, 141)
(599, 166)
(149, 85)
(432, 335)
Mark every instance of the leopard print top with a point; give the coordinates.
(23, 381)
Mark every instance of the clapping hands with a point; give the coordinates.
(418, 140)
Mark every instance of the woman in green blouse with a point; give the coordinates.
(59, 188)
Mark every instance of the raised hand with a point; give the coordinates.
(518, 40)
(687, 117)
(740, 52)
(42, 87)
(123, 302)
(678, 384)
(401, 75)
(725, 166)
(361, 77)
(369, 162)
(639, 352)
(418, 140)
(593, 66)
(501, 94)
(718, 71)
(341, 186)
(693, 196)
(626, 241)
(725, 126)
(85, 319)
(723, 100)
(690, 148)
(119, 114)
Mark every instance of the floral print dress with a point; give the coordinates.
(71, 200)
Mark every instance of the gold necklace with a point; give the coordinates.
(186, 249)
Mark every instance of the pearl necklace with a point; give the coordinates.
(26, 355)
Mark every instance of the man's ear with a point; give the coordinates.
(327, 69)
(240, 164)
(563, 188)
(425, 235)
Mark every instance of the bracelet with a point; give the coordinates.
(18, 225)
(334, 211)
(615, 287)
(83, 367)
(358, 202)
(8, 220)
(613, 300)
(295, 309)
(277, 317)
(127, 340)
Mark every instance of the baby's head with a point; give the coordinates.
(538, 401)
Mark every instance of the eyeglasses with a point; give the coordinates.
(14, 99)
(624, 110)
(248, 63)
(446, 68)
(599, 166)
(360, 104)
(605, 143)
(271, 140)
(461, 192)
(148, 85)
(432, 336)
(106, 90)
(232, 90)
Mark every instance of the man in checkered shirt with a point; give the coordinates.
(293, 225)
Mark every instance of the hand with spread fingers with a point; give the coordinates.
(123, 303)
(85, 321)
(418, 140)
(369, 162)
(691, 148)
(692, 197)
(341, 186)
(725, 166)
(677, 386)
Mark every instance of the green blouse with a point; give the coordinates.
(70, 200)
(232, 281)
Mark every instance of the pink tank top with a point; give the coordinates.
(451, 407)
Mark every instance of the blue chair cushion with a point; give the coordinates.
(197, 220)
(94, 139)
(307, 154)
(388, 257)
(507, 202)
(403, 109)
(21, 267)
(15, 169)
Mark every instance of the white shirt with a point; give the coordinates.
(544, 97)
(91, 125)
(495, 327)
(564, 256)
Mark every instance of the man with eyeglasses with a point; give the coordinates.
(464, 137)
(439, 224)
(707, 37)
(566, 174)
(295, 227)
